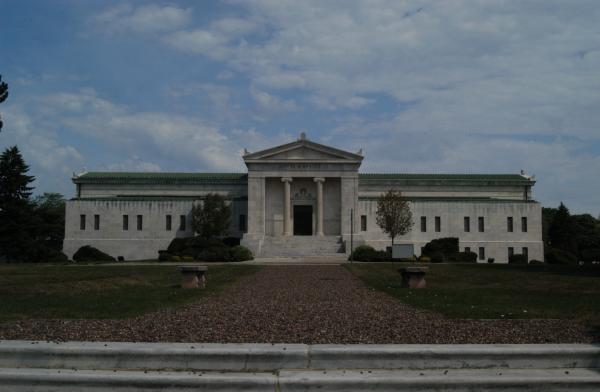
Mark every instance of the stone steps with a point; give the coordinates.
(88, 366)
(298, 246)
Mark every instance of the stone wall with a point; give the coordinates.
(132, 244)
(495, 238)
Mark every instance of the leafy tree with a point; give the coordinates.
(3, 95)
(393, 214)
(17, 218)
(50, 211)
(211, 218)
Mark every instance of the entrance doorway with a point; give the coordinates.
(303, 220)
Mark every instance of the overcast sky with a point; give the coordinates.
(421, 86)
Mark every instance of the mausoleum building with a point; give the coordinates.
(300, 199)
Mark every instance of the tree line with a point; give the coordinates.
(572, 236)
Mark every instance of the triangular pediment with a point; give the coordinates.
(303, 150)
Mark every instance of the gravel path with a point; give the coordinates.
(300, 304)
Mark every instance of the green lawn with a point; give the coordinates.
(95, 291)
(495, 291)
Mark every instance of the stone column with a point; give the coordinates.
(287, 202)
(319, 181)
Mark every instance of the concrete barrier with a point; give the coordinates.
(271, 357)
(153, 356)
(454, 356)
(115, 367)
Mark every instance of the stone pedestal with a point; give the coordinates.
(413, 277)
(193, 277)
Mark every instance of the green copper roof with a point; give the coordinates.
(159, 178)
(241, 178)
(451, 177)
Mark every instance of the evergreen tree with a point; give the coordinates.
(561, 231)
(17, 218)
(3, 95)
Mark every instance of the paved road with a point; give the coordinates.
(300, 304)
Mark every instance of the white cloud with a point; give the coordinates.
(133, 164)
(52, 161)
(272, 103)
(143, 19)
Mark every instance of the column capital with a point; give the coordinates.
(319, 179)
(286, 179)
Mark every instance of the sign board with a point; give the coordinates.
(403, 251)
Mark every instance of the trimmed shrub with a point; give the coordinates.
(463, 257)
(221, 253)
(424, 259)
(241, 253)
(187, 258)
(491, 260)
(188, 252)
(589, 255)
(89, 253)
(177, 245)
(369, 254)
(231, 241)
(120, 258)
(164, 255)
(363, 253)
(57, 257)
(175, 258)
(536, 262)
(437, 257)
(558, 256)
(446, 246)
(517, 259)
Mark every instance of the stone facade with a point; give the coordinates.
(297, 199)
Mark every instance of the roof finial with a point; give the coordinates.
(302, 136)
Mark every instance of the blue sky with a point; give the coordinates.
(420, 86)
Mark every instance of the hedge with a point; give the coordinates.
(517, 259)
(558, 256)
(89, 253)
(589, 255)
(369, 254)
(445, 246)
(198, 248)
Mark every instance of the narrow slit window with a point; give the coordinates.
(511, 251)
(481, 224)
(168, 222)
(524, 224)
(509, 224)
(81, 222)
(363, 223)
(467, 224)
(482, 253)
(423, 224)
(525, 252)
(96, 222)
(182, 222)
(125, 222)
(438, 224)
(139, 222)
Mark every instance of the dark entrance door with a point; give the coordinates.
(302, 220)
